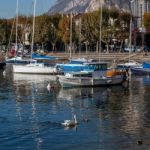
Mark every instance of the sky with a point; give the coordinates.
(8, 7)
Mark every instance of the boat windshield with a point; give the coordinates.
(96, 67)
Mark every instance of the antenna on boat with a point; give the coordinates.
(33, 30)
(100, 29)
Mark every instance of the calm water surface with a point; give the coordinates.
(31, 116)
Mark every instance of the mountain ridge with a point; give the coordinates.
(83, 6)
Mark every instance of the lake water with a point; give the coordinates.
(109, 118)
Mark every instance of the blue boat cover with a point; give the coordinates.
(38, 56)
(146, 65)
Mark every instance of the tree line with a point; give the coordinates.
(53, 31)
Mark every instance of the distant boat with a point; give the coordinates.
(18, 60)
(14, 58)
(81, 60)
(143, 70)
(74, 65)
(37, 56)
(127, 65)
(130, 63)
(34, 68)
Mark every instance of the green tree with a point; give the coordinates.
(90, 27)
(146, 20)
(46, 29)
(64, 29)
(5, 30)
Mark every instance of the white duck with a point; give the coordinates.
(70, 123)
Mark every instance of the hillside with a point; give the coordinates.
(82, 6)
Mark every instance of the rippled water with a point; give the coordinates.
(110, 118)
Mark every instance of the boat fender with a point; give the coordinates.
(109, 81)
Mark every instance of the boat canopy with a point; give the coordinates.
(95, 66)
(146, 65)
(81, 60)
(38, 56)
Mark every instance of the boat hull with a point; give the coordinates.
(89, 81)
(19, 60)
(33, 69)
(140, 71)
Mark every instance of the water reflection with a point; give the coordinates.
(117, 116)
(33, 78)
(29, 90)
(26, 85)
(146, 80)
(126, 109)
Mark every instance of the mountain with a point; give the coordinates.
(82, 6)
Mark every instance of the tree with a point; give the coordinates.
(146, 20)
(46, 29)
(64, 29)
(90, 28)
(5, 30)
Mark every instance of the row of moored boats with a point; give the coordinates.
(81, 71)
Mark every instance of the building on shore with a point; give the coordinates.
(138, 8)
(140, 34)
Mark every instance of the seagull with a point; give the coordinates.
(50, 87)
(70, 123)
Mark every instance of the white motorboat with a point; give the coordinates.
(33, 77)
(34, 68)
(18, 60)
(131, 64)
(99, 77)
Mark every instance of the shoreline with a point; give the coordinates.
(113, 56)
(108, 57)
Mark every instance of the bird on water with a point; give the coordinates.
(70, 123)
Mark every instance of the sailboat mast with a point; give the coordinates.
(130, 38)
(16, 45)
(100, 30)
(80, 36)
(70, 35)
(33, 29)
